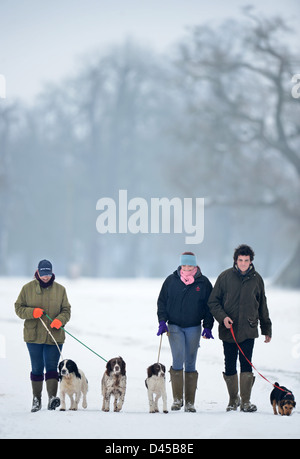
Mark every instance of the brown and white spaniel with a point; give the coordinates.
(114, 383)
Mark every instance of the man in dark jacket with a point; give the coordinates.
(238, 301)
(182, 303)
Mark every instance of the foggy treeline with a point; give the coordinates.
(213, 118)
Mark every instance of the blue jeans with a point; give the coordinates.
(43, 356)
(184, 343)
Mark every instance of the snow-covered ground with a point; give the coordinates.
(118, 317)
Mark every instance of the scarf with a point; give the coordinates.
(188, 277)
(44, 284)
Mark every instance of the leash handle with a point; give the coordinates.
(159, 347)
(274, 385)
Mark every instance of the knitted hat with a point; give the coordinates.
(188, 259)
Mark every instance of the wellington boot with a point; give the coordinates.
(37, 387)
(190, 386)
(233, 389)
(177, 389)
(53, 401)
(246, 382)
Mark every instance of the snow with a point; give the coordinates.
(118, 317)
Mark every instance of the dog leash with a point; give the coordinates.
(274, 385)
(74, 337)
(159, 348)
(168, 333)
(52, 337)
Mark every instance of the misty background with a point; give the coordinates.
(209, 114)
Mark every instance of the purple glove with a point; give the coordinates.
(163, 328)
(207, 333)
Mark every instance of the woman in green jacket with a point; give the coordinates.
(43, 295)
(238, 301)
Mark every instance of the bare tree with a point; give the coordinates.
(242, 123)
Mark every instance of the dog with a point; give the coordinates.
(73, 382)
(284, 400)
(114, 384)
(156, 386)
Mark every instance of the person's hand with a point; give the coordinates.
(56, 323)
(163, 328)
(267, 338)
(37, 313)
(207, 334)
(227, 322)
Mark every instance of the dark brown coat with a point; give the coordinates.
(242, 298)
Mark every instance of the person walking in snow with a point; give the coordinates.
(238, 300)
(43, 295)
(181, 307)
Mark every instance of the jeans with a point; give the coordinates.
(231, 352)
(43, 356)
(184, 343)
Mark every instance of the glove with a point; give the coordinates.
(56, 323)
(163, 328)
(37, 313)
(207, 333)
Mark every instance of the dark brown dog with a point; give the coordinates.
(283, 400)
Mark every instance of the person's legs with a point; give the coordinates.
(177, 345)
(37, 374)
(246, 377)
(230, 375)
(51, 358)
(247, 348)
(36, 358)
(192, 340)
(230, 355)
(176, 340)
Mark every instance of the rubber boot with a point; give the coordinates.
(190, 386)
(233, 391)
(52, 384)
(37, 387)
(177, 388)
(246, 382)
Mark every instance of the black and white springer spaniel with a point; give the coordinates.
(73, 382)
(156, 385)
(114, 383)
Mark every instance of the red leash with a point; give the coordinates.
(274, 385)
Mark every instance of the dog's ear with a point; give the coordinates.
(123, 367)
(163, 368)
(75, 368)
(108, 367)
(294, 403)
(150, 371)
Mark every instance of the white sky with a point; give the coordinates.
(42, 40)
